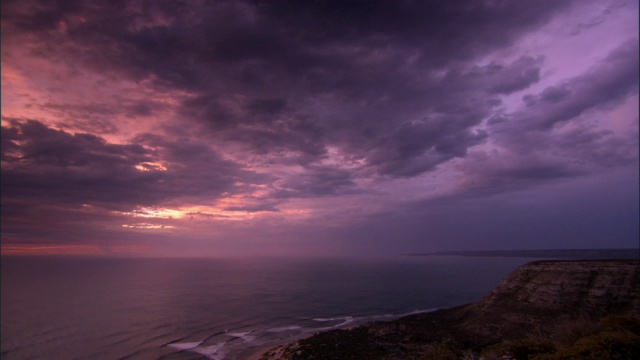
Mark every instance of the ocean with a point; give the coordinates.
(229, 308)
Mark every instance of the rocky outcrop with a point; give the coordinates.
(534, 299)
(558, 287)
(546, 291)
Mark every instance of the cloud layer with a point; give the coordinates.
(244, 122)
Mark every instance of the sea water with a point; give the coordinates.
(228, 308)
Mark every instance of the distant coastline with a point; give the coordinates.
(569, 254)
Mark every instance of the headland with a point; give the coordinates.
(558, 309)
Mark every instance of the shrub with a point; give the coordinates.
(522, 349)
(438, 351)
(606, 345)
(568, 331)
(621, 323)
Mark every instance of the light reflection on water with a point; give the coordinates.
(108, 308)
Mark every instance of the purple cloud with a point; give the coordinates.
(349, 119)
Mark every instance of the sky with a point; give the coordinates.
(285, 127)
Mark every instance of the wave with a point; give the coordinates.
(284, 328)
(244, 336)
(236, 344)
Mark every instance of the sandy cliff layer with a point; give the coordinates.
(545, 291)
(544, 298)
(595, 287)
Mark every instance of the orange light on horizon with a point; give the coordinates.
(227, 209)
(65, 249)
(29, 249)
(155, 212)
(147, 226)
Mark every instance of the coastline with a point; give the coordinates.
(559, 254)
(259, 353)
(277, 352)
(573, 307)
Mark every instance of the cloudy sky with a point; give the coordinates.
(318, 127)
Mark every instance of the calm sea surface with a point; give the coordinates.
(106, 308)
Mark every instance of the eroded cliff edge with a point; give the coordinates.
(543, 310)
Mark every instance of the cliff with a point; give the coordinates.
(543, 310)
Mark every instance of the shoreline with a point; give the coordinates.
(260, 353)
(545, 298)
(274, 352)
(278, 349)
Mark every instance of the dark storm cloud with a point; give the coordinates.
(266, 206)
(377, 69)
(519, 75)
(252, 67)
(280, 110)
(53, 166)
(546, 158)
(267, 106)
(318, 181)
(301, 136)
(612, 80)
(537, 150)
(418, 147)
(96, 117)
(490, 175)
(467, 27)
(32, 144)
(599, 149)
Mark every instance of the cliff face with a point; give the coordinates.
(593, 288)
(533, 299)
(544, 292)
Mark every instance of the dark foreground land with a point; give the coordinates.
(544, 310)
